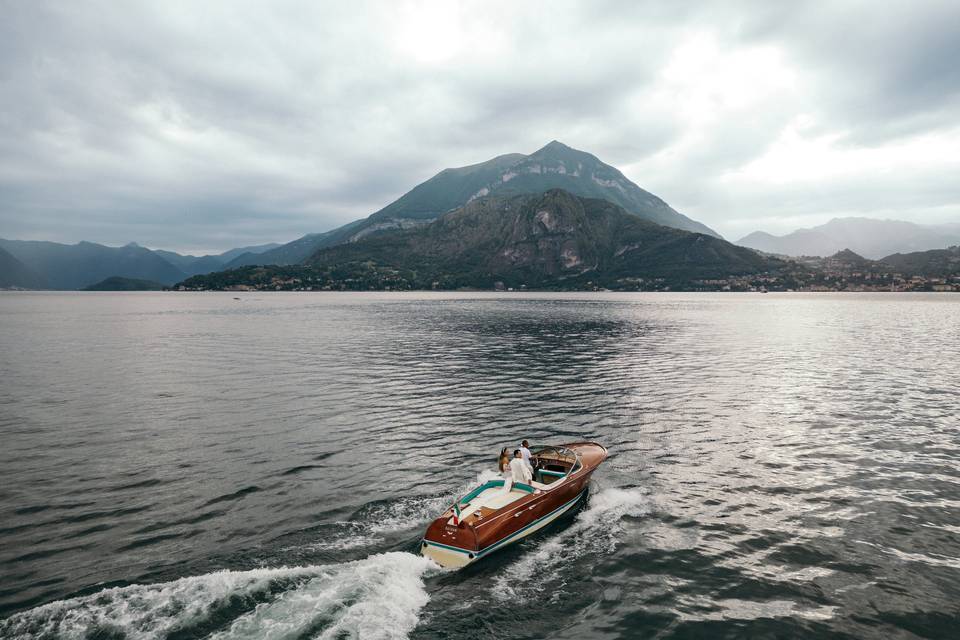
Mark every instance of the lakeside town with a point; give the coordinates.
(844, 271)
(828, 282)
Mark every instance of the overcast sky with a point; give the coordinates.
(200, 126)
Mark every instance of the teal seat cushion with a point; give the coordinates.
(546, 472)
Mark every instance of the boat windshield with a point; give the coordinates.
(555, 453)
(553, 463)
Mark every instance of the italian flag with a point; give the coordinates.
(456, 513)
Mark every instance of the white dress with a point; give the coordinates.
(507, 476)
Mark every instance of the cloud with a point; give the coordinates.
(202, 127)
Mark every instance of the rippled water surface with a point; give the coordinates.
(196, 465)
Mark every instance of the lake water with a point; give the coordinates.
(196, 465)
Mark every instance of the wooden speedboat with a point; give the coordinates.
(490, 517)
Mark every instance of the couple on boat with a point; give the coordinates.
(519, 468)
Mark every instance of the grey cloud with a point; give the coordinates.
(220, 124)
(883, 70)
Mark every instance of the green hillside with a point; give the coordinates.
(116, 283)
(555, 239)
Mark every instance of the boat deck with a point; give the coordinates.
(490, 497)
(496, 498)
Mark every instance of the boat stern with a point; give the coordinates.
(445, 556)
(451, 546)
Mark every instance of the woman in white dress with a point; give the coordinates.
(503, 464)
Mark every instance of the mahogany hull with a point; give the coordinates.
(456, 546)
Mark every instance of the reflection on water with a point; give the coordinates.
(782, 464)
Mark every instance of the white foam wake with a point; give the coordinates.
(393, 515)
(596, 530)
(404, 512)
(379, 597)
(366, 599)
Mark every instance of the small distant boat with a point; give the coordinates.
(490, 518)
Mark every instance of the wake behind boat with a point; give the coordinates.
(492, 516)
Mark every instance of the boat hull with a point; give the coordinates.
(482, 531)
(456, 557)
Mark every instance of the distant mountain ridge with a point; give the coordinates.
(868, 237)
(193, 265)
(76, 266)
(13, 273)
(53, 265)
(555, 166)
(290, 253)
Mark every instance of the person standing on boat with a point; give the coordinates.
(525, 454)
(520, 469)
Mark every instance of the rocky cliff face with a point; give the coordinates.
(557, 166)
(555, 237)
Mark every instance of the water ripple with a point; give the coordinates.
(781, 465)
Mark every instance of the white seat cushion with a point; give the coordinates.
(496, 498)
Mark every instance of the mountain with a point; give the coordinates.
(13, 273)
(75, 266)
(227, 256)
(555, 166)
(290, 253)
(933, 263)
(63, 266)
(193, 265)
(867, 236)
(116, 283)
(850, 260)
(552, 239)
(803, 242)
(448, 190)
